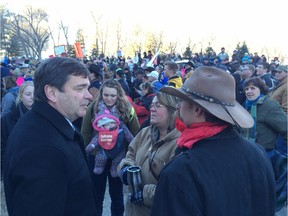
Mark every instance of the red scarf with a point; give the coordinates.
(195, 132)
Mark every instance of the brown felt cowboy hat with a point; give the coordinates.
(214, 90)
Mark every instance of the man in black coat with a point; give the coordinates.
(217, 172)
(263, 71)
(46, 171)
(120, 76)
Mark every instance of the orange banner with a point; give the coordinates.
(78, 50)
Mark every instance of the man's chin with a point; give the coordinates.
(81, 113)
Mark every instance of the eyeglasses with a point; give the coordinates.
(156, 105)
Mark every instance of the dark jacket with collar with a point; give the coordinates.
(8, 121)
(267, 80)
(46, 171)
(221, 175)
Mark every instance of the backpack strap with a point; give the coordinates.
(131, 114)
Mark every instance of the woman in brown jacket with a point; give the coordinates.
(151, 149)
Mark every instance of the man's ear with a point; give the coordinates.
(198, 110)
(51, 93)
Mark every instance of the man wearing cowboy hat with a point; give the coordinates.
(216, 171)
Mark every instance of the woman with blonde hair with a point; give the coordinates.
(111, 97)
(25, 94)
(24, 101)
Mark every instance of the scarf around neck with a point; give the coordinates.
(249, 103)
(195, 132)
(102, 107)
(251, 107)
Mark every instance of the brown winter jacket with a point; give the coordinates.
(151, 156)
(279, 93)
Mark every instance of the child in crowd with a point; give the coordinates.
(109, 142)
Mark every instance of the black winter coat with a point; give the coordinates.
(221, 175)
(8, 122)
(46, 171)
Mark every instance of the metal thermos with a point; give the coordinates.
(134, 179)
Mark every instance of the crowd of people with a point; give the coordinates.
(209, 134)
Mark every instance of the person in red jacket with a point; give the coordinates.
(142, 104)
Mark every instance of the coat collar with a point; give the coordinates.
(282, 82)
(154, 134)
(227, 133)
(55, 118)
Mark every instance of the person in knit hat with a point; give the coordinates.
(108, 142)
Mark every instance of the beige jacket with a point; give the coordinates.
(279, 93)
(151, 156)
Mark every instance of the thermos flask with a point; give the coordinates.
(134, 179)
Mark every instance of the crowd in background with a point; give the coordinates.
(135, 83)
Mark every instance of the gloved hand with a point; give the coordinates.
(123, 175)
(90, 147)
(137, 198)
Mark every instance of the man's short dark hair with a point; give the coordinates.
(265, 65)
(55, 72)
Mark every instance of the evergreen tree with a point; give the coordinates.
(242, 49)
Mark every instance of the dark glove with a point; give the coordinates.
(137, 198)
(123, 175)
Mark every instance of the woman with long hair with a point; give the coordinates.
(111, 97)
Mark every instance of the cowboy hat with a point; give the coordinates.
(214, 90)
